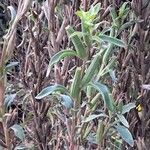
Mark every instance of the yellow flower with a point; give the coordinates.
(139, 108)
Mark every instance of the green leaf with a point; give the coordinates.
(19, 132)
(112, 40)
(77, 42)
(114, 16)
(105, 94)
(128, 107)
(89, 74)
(125, 134)
(91, 117)
(75, 86)
(66, 101)
(113, 75)
(58, 56)
(109, 66)
(80, 14)
(9, 98)
(123, 120)
(94, 100)
(119, 107)
(126, 25)
(12, 11)
(50, 89)
(122, 9)
(105, 30)
(20, 147)
(78, 33)
(95, 9)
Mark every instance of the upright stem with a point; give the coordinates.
(6, 130)
(1, 97)
(7, 138)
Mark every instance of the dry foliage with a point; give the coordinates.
(32, 32)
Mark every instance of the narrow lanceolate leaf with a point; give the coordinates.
(66, 101)
(113, 75)
(105, 94)
(87, 131)
(114, 16)
(95, 9)
(125, 134)
(59, 56)
(11, 65)
(9, 99)
(92, 11)
(95, 99)
(86, 36)
(80, 49)
(75, 86)
(122, 9)
(91, 70)
(91, 117)
(109, 66)
(78, 33)
(100, 132)
(112, 40)
(123, 120)
(126, 25)
(107, 54)
(20, 147)
(13, 12)
(50, 89)
(19, 132)
(126, 108)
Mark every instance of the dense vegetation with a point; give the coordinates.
(75, 74)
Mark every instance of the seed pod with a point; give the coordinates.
(75, 87)
(100, 131)
(87, 131)
(94, 101)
